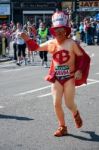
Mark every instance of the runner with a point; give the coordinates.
(69, 68)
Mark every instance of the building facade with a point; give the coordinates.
(5, 11)
(33, 10)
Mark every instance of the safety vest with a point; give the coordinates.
(43, 35)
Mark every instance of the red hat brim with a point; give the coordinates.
(68, 30)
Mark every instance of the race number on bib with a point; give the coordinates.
(62, 72)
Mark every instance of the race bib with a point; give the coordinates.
(62, 72)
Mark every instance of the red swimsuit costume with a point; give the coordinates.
(60, 72)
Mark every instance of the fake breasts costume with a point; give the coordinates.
(62, 72)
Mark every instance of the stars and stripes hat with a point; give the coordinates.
(59, 20)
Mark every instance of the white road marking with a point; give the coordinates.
(48, 94)
(92, 55)
(18, 69)
(1, 106)
(12, 70)
(91, 81)
(32, 91)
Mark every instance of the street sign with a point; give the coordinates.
(97, 17)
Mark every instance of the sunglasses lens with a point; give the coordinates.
(59, 30)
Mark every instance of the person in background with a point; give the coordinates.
(97, 32)
(43, 37)
(31, 31)
(21, 45)
(81, 30)
(13, 36)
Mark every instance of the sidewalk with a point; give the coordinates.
(5, 58)
(8, 56)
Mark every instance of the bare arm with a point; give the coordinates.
(76, 49)
(43, 47)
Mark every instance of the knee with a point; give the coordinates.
(57, 103)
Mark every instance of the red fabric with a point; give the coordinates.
(85, 69)
(32, 45)
(34, 31)
(81, 62)
(61, 56)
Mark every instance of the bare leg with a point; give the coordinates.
(57, 93)
(69, 94)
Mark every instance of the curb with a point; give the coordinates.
(5, 59)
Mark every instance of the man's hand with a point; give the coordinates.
(78, 75)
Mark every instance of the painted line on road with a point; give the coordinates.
(90, 83)
(12, 70)
(92, 55)
(92, 80)
(1, 107)
(97, 73)
(32, 91)
(18, 69)
(48, 94)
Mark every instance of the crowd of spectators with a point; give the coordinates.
(86, 31)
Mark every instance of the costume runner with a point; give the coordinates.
(69, 67)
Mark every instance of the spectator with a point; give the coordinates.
(43, 37)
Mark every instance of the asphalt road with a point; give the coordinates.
(27, 119)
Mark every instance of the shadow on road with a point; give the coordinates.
(2, 116)
(93, 136)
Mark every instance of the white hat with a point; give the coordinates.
(60, 19)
